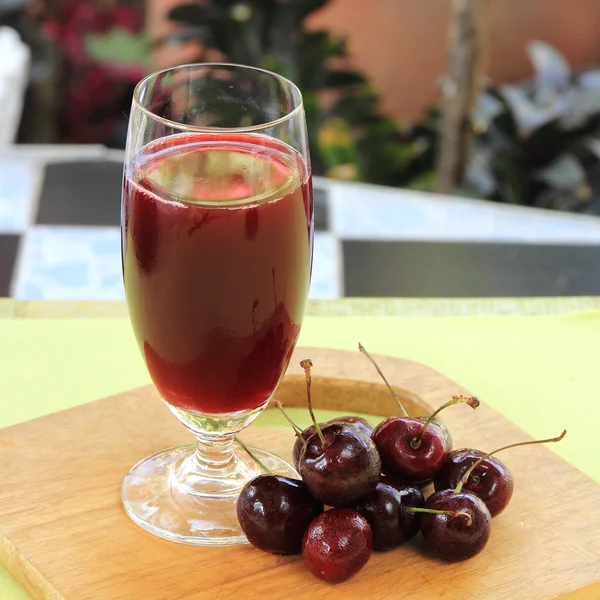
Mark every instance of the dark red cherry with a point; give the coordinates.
(491, 480)
(337, 544)
(342, 469)
(385, 510)
(460, 535)
(339, 463)
(412, 449)
(275, 511)
(401, 456)
(443, 429)
(484, 474)
(358, 422)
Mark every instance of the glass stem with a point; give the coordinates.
(214, 456)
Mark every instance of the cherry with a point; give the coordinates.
(457, 524)
(303, 435)
(341, 467)
(486, 476)
(492, 480)
(337, 544)
(385, 510)
(358, 422)
(461, 527)
(274, 511)
(339, 464)
(411, 449)
(445, 432)
(301, 438)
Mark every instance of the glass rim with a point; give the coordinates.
(213, 129)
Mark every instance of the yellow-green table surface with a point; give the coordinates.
(539, 370)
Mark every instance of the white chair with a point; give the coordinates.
(14, 73)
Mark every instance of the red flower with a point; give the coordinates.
(94, 93)
(127, 18)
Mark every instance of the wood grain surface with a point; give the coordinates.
(65, 536)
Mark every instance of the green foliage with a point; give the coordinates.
(118, 46)
(349, 136)
(536, 144)
(539, 143)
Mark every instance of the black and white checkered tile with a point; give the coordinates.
(59, 229)
(59, 237)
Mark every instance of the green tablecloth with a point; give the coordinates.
(539, 371)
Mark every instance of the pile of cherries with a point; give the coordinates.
(373, 480)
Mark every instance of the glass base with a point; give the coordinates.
(164, 495)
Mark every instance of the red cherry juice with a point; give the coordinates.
(217, 248)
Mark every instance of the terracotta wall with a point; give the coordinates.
(402, 43)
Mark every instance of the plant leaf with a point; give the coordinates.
(487, 109)
(584, 104)
(424, 182)
(303, 8)
(338, 150)
(117, 46)
(343, 78)
(314, 50)
(590, 80)
(512, 179)
(593, 145)
(565, 172)
(358, 110)
(552, 72)
(479, 173)
(196, 14)
(528, 115)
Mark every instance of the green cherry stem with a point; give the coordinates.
(449, 513)
(470, 400)
(279, 406)
(364, 351)
(257, 460)
(470, 470)
(306, 364)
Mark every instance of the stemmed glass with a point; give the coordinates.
(217, 230)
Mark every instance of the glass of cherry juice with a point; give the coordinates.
(217, 230)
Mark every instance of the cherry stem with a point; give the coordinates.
(306, 364)
(364, 351)
(287, 418)
(449, 513)
(470, 470)
(257, 460)
(470, 400)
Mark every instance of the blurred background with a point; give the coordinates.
(456, 143)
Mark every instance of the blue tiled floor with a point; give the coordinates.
(19, 180)
(70, 263)
(326, 275)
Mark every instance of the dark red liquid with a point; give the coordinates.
(217, 242)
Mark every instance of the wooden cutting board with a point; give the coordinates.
(65, 536)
